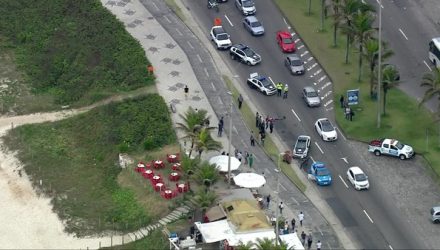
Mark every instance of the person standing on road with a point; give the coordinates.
(251, 160)
(252, 139)
(293, 222)
(263, 137)
(318, 245)
(301, 218)
(257, 120)
(246, 157)
(279, 88)
(271, 126)
(240, 101)
(286, 90)
(268, 201)
(341, 100)
(281, 206)
(309, 241)
(220, 127)
(303, 238)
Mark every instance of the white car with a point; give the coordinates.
(220, 37)
(326, 130)
(262, 84)
(246, 7)
(358, 178)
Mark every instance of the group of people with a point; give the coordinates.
(349, 113)
(247, 157)
(262, 125)
(280, 88)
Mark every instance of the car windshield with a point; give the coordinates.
(322, 172)
(301, 143)
(249, 52)
(265, 82)
(223, 36)
(287, 40)
(248, 3)
(360, 177)
(312, 94)
(256, 24)
(399, 145)
(296, 62)
(327, 126)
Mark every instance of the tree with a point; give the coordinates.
(336, 20)
(431, 80)
(189, 166)
(248, 246)
(390, 79)
(205, 142)
(268, 244)
(360, 30)
(205, 199)
(206, 174)
(371, 54)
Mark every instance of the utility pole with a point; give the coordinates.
(277, 213)
(379, 66)
(229, 141)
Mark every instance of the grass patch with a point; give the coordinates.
(269, 146)
(76, 159)
(76, 52)
(398, 123)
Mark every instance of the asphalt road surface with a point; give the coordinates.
(371, 217)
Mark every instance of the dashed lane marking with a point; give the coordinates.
(296, 40)
(305, 53)
(198, 57)
(390, 247)
(365, 212)
(166, 18)
(312, 66)
(297, 117)
(213, 87)
(341, 133)
(326, 85)
(344, 159)
(206, 72)
(427, 65)
(179, 32)
(322, 78)
(300, 47)
(312, 159)
(403, 34)
(190, 45)
(229, 21)
(155, 5)
(342, 179)
(310, 58)
(317, 145)
(285, 22)
(296, 202)
(328, 103)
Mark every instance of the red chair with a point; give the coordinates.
(177, 167)
(174, 176)
(159, 186)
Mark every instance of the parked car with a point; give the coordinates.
(244, 54)
(391, 147)
(435, 214)
(319, 173)
(294, 64)
(220, 37)
(302, 145)
(285, 41)
(358, 178)
(254, 26)
(246, 7)
(326, 130)
(311, 97)
(262, 84)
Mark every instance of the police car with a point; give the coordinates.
(319, 173)
(244, 54)
(262, 84)
(391, 147)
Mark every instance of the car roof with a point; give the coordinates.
(240, 46)
(251, 18)
(304, 136)
(356, 170)
(390, 141)
(218, 29)
(319, 164)
(323, 119)
(284, 34)
(436, 209)
(309, 89)
(293, 57)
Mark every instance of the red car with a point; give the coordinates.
(285, 41)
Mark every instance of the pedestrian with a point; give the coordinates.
(286, 228)
(207, 122)
(263, 126)
(347, 113)
(223, 153)
(246, 156)
(186, 90)
(271, 126)
(236, 153)
(281, 206)
(251, 160)
(267, 121)
(252, 140)
(279, 88)
(263, 137)
(318, 245)
(293, 222)
(240, 101)
(286, 90)
(341, 100)
(220, 127)
(301, 218)
(309, 241)
(257, 120)
(351, 114)
(268, 201)
(303, 238)
(239, 156)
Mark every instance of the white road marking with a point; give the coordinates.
(296, 202)
(310, 58)
(220, 99)
(326, 85)
(403, 34)
(179, 32)
(297, 40)
(326, 94)
(166, 18)
(206, 72)
(198, 57)
(284, 20)
(271, 80)
(229, 21)
(365, 212)
(293, 33)
(328, 102)
(341, 133)
(322, 78)
(311, 67)
(378, 2)
(190, 45)
(281, 185)
(300, 47)
(213, 86)
(320, 231)
(390, 247)
(322, 152)
(312, 159)
(344, 159)
(235, 129)
(305, 53)
(342, 179)
(293, 111)
(427, 65)
(155, 6)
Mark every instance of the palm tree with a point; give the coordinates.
(371, 54)
(390, 79)
(431, 80)
(335, 5)
(205, 199)
(205, 142)
(189, 166)
(206, 174)
(193, 122)
(268, 244)
(361, 30)
(248, 246)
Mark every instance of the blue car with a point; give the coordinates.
(319, 173)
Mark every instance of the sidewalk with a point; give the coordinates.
(180, 59)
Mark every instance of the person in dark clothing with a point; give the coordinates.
(257, 120)
(293, 222)
(268, 200)
(252, 140)
(351, 114)
(240, 101)
(303, 238)
(309, 241)
(341, 100)
(271, 127)
(220, 127)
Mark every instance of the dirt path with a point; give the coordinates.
(28, 221)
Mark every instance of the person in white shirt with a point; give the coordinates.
(318, 245)
(301, 218)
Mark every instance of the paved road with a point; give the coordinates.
(371, 217)
(408, 26)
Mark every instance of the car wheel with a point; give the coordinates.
(248, 63)
(402, 157)
(436, 221)
(377, 153)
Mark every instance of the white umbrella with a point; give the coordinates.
(221, 162)
(249, 180)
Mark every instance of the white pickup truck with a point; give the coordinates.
(391, 147)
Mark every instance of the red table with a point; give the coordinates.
(158, 187)
(177, 167)
(148, 174)
(168, 194)
(156, 179)
(182, 188)
(159, 164)
(140, 167)
(172, 158)
(174, 176)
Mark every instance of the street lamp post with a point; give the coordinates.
(277, 213)
(229, 141)
(379, 64)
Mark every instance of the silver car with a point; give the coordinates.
(295, 65)
(311, 97)
(435, 214)
(254, 26)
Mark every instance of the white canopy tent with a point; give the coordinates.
(221, 161)
(292, 241)
(249, 180)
